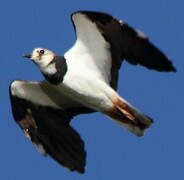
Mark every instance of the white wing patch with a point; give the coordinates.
(90, 50)
(42, 93)
(31, 91)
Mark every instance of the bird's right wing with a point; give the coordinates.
(44, 115)
(107, 41)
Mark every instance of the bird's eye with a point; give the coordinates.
(42, 51)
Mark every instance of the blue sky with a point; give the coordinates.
(113, 153)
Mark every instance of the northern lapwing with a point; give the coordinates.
(83, 80)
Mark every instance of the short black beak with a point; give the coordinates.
(27, 56)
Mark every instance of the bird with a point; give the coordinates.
(83, 80)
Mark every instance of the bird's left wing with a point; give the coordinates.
(44, 116)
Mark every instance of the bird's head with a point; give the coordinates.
(42, 57)
(53, 67)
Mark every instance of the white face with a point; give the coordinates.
(42, 57)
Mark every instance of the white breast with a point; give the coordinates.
(89, 66)
(84, 85)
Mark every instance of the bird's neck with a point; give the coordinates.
(56, 70)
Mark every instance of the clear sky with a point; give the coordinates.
(113, 153)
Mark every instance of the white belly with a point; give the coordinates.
(87, 87)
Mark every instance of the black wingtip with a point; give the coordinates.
(81, 170)
(174, 69)
(167, 67)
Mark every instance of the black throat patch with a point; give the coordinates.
(61, 69)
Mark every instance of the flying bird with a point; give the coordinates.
(83, 80)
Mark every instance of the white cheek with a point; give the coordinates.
(51, 69)
(45, 64)
(35, 57)
(44, 61)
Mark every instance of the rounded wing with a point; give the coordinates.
(44, 116)
(107, 41)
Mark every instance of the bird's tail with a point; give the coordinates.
(128, 116)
